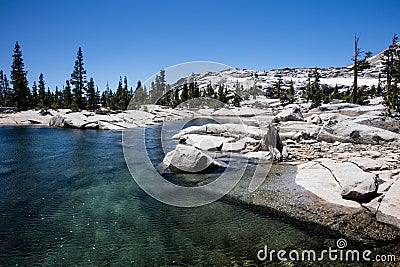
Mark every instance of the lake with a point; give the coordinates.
(67, 198)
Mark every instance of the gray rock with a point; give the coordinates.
(350, 132)
(320, 181)
(237, 146)
(189, 159)
(57, 121)
(314, 119)
(339, 106)
(205, 142)
(292, 113)
(388, 211)
(227, 130)
(92, 126)
(285, 152)
(355, 183)
(368, 164)
(306, 129)
(259, 155)
(371, 154)
(387, 123)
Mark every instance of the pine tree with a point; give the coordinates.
(34, 101)
(19, 81)
(222, 94)
(358, 65)
(5, 90)
(48, 99)
(392, 95)
(308, 86)
(325, 93)
(125, 97)
(379, 90)
(291, 92)
(316, 96)
(98, 97)
(362, 96)
(91, 95)
(158, 87)
(58, 99)
(163, 82)
(191, 90)
(140, 95)
(185, 93)
(236, 100)
(42, 92)
(177, 99)
(209, 92)
(106, 97)
(119, 95)
(78, 81)
(335, 94)
(389, 56)
(278, 86)
(67, 95)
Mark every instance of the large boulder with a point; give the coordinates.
(351, 132)
(290, 113)
(356, 184)
(388, 211)
(189, 159)
(319, 180)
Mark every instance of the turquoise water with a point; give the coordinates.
(67, 198)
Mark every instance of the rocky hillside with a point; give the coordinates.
(264, 80)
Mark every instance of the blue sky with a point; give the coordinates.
(138, 38)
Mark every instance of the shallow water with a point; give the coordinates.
(67, 198)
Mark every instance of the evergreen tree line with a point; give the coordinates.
(391, 58)
(162, 93)
(190, 90)
(77, 93)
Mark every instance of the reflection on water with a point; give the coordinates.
(67, 198)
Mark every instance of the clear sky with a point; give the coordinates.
(138, 38)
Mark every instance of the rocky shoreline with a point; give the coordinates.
(336, 166)
(332, 169)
